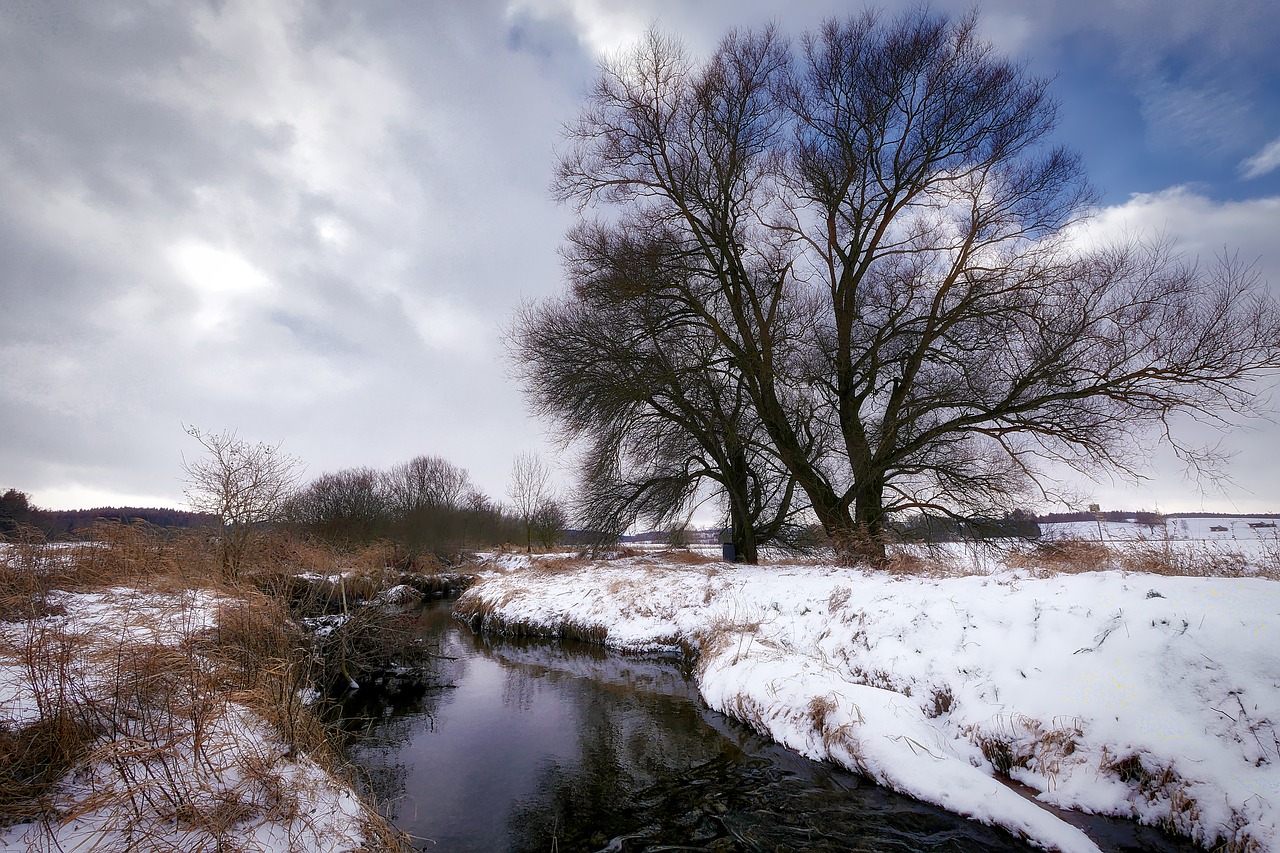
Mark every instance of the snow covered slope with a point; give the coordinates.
(1143, 696)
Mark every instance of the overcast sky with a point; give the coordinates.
(308, 221)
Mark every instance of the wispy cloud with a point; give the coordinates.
(1266, 160)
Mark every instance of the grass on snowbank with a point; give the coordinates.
(1148, 695)
(143, 703)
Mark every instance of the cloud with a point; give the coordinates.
(1262, 163)
(602, 27)
(307, 222)
(1201, 227)
(271, 217)
(1204, 229)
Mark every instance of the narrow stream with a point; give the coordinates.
(541, 746)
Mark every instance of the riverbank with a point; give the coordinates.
(1124, 693)
(148, 703)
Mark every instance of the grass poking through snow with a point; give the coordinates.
(144, 705)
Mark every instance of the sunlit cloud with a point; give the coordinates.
(602, 27)
(226, 285)
(1262, 163)
(1200, 226)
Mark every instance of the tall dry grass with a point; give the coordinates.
(177, 716)
(1177, 558)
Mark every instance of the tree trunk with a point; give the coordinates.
(864, 542)
(858, 537)
(742, 521)
(744, 543)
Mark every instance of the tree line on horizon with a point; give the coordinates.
(18, 513)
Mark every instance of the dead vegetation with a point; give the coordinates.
(1019, 742)
(178, 711)
(1157, 555)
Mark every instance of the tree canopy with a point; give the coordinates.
(874, 235)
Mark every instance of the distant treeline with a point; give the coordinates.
(60, 523)
(18, 513)
(427, 505)
(1142, 516)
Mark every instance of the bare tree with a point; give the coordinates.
(653, 400)
(530, 491)
(876, 232)
(426, 481)
(346, 507)
(547, 524)
(244, 484)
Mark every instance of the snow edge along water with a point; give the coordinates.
(1104, 692)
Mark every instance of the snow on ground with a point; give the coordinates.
(1244, 532)
(172, 766)
(1143, 696)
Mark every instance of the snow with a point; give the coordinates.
(1143, 696)
(185, 772)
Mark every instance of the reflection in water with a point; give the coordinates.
(545, 746)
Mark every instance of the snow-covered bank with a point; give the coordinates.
(1136, 695)
(160, 750)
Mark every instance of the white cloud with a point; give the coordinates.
(1265, 161)
(1203, 228)
(225, 283)
(443, 324)
(602, 27)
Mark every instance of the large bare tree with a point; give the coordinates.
(531, 494)
(877, 230)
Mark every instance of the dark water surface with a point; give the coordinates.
(540, 746)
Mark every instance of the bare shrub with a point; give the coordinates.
(177, 724)
(37, 754)
(243, 484)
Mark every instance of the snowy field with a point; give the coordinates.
(176, 763)
(1144, 696)
(1240, 544)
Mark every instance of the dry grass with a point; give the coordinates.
(1159, 784)
(907, 563)
(1148, 556)
(1064, 556)
(1020, 742)
(941, 702)
(684, 557)
(172, 728)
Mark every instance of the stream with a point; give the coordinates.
(559, 747)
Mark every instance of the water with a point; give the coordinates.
(539, 746)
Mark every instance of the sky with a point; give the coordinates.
(308, 222)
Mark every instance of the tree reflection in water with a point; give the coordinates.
(542, 746)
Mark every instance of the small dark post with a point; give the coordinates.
(728, 551)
